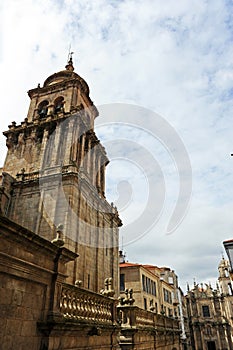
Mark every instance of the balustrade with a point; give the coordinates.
(132, 316)
(27, 176)
(144, 318)
(80, 304)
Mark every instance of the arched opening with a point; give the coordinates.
(58, 104)
(43, 109)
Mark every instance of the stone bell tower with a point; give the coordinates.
(53, 179)
(224, 279)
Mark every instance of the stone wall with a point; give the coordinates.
(40, 311)
(62, 182)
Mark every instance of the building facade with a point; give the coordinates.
(155, 289)
(210, 313)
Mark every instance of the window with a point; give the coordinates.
(230, 289)
(88, 281)
(122, 282)
(211, 345)
(43, 109)
(143, 283)
(167, 296)
(170, 280)
(148, 285)
(58, 104)
(205, 311)
(145, 304)
(154, 288)
(170, 313)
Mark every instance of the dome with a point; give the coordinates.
(66, 75)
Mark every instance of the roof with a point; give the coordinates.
(228, 241)
(127, 264)
(146, 266)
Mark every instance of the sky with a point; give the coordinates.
(172, 60)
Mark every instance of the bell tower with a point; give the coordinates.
(54, 177)
(224, 277)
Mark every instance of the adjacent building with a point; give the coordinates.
(210, 312)
(155, 289)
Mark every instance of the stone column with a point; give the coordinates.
(102, 176)
(93, 166)
(88, 156)
(82, 151)
(75, 147)
(98, 177)
(68, 144)
(55, 146)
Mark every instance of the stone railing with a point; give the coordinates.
(134, 317)
(144, 318)
(81, 304)
(27, 176)
(166, 322)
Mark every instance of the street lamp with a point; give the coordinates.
(228, 245)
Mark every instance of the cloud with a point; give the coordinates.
(174, 58)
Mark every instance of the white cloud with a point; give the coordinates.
(172, 57)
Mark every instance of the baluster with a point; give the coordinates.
(78, 303)
(69, 305)
(74, 305)
(98, 309)
(62, 302)
(82, 309)
(65, 303)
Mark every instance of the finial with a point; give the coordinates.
(187, 287)
(194, 282)
(69, 65)
(58, 241)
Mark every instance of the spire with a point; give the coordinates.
(69, 65)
